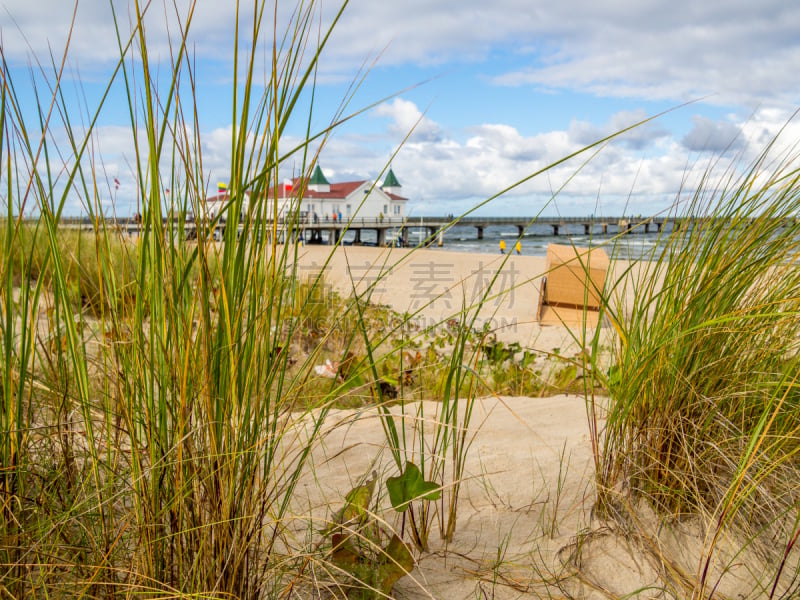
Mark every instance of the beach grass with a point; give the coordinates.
(702, 421)
(161, 406)
(145, 405)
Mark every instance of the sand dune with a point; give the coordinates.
(527, 525)
(528, 486)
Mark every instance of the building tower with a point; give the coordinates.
(318, 182)
(390, 183)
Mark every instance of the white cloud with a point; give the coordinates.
(406, 118)
(642, 134)
(737, 52)
(713, 136)
(455, 171)
(46, 26)
(494, 156)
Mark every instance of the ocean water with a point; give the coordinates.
(535, 240)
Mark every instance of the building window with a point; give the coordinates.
(386, 209)
(397, 209)
(348, 210)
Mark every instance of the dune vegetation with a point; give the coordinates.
(704, 416)
(160, 406)
(152, 385)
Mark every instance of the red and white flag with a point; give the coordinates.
(287, 187)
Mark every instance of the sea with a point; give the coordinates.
(534, 242)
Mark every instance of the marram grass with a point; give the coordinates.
(143, 388)
(150, 388)
(704, 414)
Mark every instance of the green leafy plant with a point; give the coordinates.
(357, 546)
(410, 486)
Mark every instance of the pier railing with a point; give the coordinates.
(409, 220)
(392, 226)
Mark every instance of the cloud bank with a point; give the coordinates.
(731, 58)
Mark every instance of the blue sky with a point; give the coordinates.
(497, 91)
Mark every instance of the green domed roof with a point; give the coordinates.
(318, 177)
(391, 180)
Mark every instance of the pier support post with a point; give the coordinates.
(357, 240)
(480, 231)
(520, 230)
(381, 236)
(431, 233)
(555, 230)
(586, 228)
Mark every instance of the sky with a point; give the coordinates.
(464, 99)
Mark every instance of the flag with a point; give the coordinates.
(222, 187)
(287, 187)
(116, 183)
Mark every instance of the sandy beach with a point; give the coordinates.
(527, 490)
(526, 524)
(434, 285)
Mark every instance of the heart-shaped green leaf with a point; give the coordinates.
(410, 486)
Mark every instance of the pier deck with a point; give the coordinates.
(398, 228)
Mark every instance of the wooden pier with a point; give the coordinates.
(435, 227)
(396, 230)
